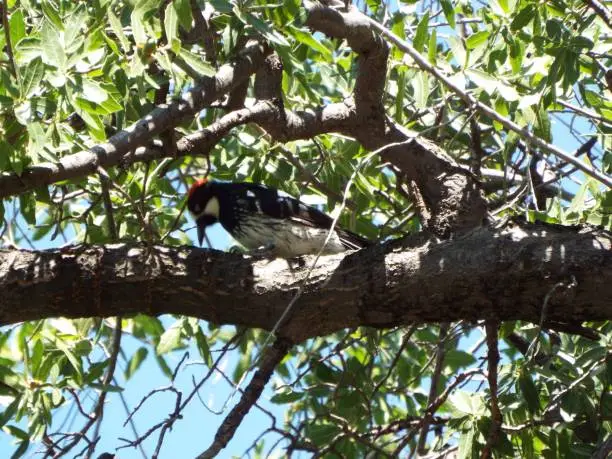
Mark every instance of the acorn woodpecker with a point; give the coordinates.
(260, 217)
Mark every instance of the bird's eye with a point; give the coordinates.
(196, 209)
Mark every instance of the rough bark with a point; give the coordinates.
(448, 198)
(486, 274)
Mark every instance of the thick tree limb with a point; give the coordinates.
(160, 119)
(486, 274)
(449, 198)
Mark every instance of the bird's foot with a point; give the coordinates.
(265, 252)
(296, 263)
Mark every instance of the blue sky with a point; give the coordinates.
(192, 434)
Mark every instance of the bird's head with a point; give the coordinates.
(203, 205)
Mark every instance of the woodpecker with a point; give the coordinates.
(260, 217)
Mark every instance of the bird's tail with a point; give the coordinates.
(352, 241)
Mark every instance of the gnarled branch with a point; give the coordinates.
(486, 274)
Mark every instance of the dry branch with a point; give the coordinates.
(502, 274)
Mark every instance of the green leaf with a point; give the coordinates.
(263, 28)
(529, 391)
(325, 373)
(36, 141)
(106, 387)
(197, 63)
(517, 52)
(92, 91)
(52, 48)
(321, 434)
(420, 85)
(593, 98)
(171, 339)
(93, 122)
(286, 397)
(203, 347)
(308, 40)
(136, 361)
(456, 359)
(21, 449)
(171, 23)
(578, 203)
(432, 47)
(523, 17)
(31, 76)
(467, 403)
(421, 33)
(96, 371)
(483, 80)
(183, 11)
(449, 12)
(138, 30)
(72, 358)
(580, 42)
(163, 366)
(6, 151)
(17, 27)
(74, 35)
(52, 15)
(23, 112)
(554, 29)
(118, 30)
(477, 39)
(542, 128)
(466, 443)
(27, 207)
(222, 6)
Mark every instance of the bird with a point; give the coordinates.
(261, 217)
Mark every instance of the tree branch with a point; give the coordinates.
(271, 358)
(492, 362)
(160, 119)
(451, 197)
(488, 273)
(601, 10)
(488, 111)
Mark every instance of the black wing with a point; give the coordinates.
(271, 202)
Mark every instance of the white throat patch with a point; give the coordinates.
(212, 209)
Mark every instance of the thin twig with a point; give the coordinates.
(485, 109)
(272, 357)
(492, 361)
(98, 410)
(108, 204)
(601, 10)
(584, 112)
(533, 348)
(405, 341)
(179, 405)
(7, 38)
(433, 387)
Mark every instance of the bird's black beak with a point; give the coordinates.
(201, 233)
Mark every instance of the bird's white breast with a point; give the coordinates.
(286, 238)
